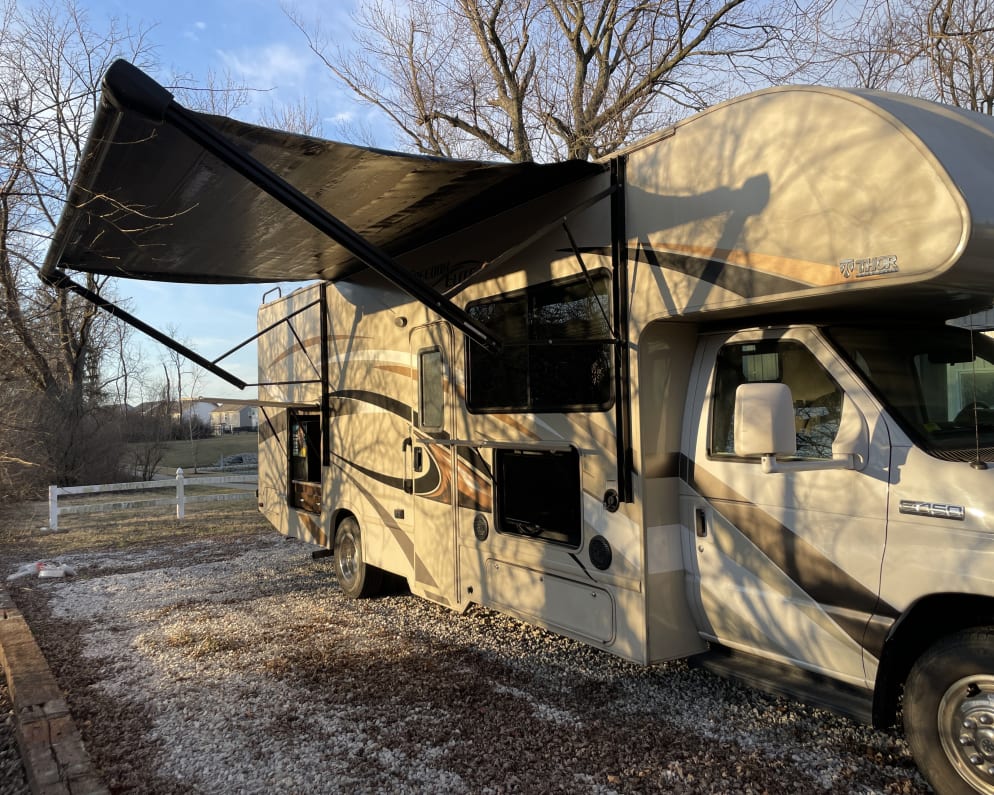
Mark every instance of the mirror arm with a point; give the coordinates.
(771, 465)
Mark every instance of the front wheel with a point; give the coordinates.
(949, 713)
(356, 577)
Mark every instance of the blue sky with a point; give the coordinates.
(259, 46)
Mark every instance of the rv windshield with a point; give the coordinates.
(936, 380)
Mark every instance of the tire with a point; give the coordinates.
(949, 713)
(356, 577)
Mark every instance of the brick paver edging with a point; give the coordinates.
(52, 751)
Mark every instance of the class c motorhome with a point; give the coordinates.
(704, 399)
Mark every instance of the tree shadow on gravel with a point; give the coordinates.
(499, 734)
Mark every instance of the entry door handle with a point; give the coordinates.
(408, 482)
(419, 459)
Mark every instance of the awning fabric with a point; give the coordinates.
(147, 202)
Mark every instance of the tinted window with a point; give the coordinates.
(557, 353)
(936, 380)
(538, 494)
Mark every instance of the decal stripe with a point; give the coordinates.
(274, 425)
(295, 348)
(372, 474)
(746, 273)
(876, 634)
(476, 462)
(473, 480)
(403, 540)
(814, 573)
(805, 273)
(741, 280)
(339, 402)
(397, 369)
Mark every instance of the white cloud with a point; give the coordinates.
(269, 66)
(193, 32)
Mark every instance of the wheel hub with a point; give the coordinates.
(966, 728)
(347, 559)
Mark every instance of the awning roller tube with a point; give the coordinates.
(128, 87)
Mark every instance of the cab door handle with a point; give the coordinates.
(700, 522)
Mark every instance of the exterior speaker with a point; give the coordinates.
(481, 527)
(600, 553)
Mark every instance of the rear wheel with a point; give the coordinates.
(949, 713)
(356, 577)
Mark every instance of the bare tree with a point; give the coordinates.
(220, 93)
(955, 48)
(149, 430)
(300, 117)
(547, 79)
(51, 64)
(850, 45)
(182, 381)
(941, 50)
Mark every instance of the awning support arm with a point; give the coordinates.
(57, 278)
(129, 87)
(270, 327)
(590, 282)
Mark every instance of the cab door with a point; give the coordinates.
(430, 465)
(785, 565)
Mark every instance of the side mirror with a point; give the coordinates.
(764, 420)
(764, 427)
(853, 439)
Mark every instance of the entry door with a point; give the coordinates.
(430, 464)
(304, 450)
(787, 564)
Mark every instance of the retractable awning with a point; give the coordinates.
(167, 194)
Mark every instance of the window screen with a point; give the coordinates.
(431, 392)
(557, 353)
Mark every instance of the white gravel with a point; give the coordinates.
(245, 670)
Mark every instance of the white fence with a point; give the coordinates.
(180, 499)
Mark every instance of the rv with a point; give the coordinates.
(705, 399)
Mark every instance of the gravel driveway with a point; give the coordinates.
(238, 666)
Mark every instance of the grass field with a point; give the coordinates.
(21, 541)
(207, 452)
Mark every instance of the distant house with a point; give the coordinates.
(200, 409)
(228, 418)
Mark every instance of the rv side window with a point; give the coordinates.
(817, 398)
(538, 494)
(557, 353)
(431, 390)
